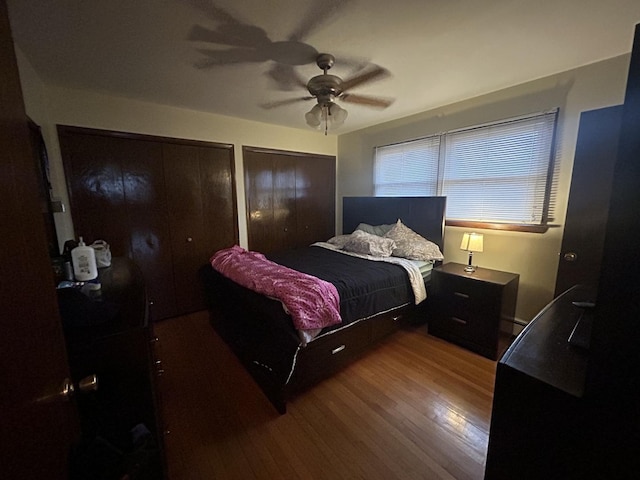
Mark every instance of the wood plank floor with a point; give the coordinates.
(415, 407)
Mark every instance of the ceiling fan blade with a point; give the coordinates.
(230, 35)
(281, 103)
(374, 73)
(285, 77)
(319, 13)
(366, 100)
(228, 57)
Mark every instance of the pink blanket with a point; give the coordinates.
(312, 303)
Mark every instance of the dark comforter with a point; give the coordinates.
(365, 287)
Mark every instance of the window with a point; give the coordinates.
(492, 174)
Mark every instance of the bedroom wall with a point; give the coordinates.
(49, 106)
(534, 256)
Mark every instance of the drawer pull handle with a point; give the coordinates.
(460, 294)
(338, 349)
(395, 319)
(459, 320)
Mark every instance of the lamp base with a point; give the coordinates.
(470, 268)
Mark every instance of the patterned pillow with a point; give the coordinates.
(368, 244)
(339, 240)
(411, 245)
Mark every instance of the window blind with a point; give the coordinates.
(408, 169)
(498, 173)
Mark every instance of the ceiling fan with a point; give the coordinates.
(327, 88)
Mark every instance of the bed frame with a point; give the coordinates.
(242, 323)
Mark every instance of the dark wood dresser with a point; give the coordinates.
(474, 310)
(108, 334)
(540, 423)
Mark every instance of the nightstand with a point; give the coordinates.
(474, 310)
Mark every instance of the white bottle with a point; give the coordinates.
(84, 262)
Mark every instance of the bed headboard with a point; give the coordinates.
(423, 215)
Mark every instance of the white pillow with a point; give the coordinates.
(411, 245)
(379, 230)
(368, 244)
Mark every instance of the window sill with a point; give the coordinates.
(512, 227)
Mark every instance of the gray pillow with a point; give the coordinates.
(411, 245)
(378, 230)
(368, 244)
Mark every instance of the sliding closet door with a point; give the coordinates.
(315, 199)
(166, 203)
(202, 211)
(270, 185)
(290, 198)
(117, 194)
(148, 223)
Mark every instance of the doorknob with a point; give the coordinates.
(570, 256)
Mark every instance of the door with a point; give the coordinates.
(587, 211)
(36, 434)
(202, 210)
(290, 198)
(315, 199)
(270, 186)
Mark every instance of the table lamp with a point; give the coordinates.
(471, 242)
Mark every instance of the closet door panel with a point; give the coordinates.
(145, 193)
(315, 199)
(96, 190)
(201, 203)
(218, 199)
(270, 183)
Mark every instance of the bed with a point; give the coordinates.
(282, 361)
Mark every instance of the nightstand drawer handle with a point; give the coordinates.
(460, 294)
(395, 319)
(338, 349)
(459, 320)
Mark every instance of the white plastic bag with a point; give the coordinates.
(103, 253)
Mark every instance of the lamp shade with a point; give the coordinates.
(472, 242)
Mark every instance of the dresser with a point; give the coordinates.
(108, 334)
(474, 310)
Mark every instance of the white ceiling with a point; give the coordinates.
(437, 51)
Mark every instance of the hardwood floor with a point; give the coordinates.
(415, 407)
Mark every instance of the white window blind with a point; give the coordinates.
(491, 173)
(407, 169)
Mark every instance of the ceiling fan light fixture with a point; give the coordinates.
(337, 114)
(329, 114)
(314, 116)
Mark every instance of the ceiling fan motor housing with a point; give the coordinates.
(325, 87)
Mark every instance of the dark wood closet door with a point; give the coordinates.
(147, 222)
(290, 198)
(166, 203)
(315, 199)
(270, 184)
(202, 212)
(96, 189)
(117, 194)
